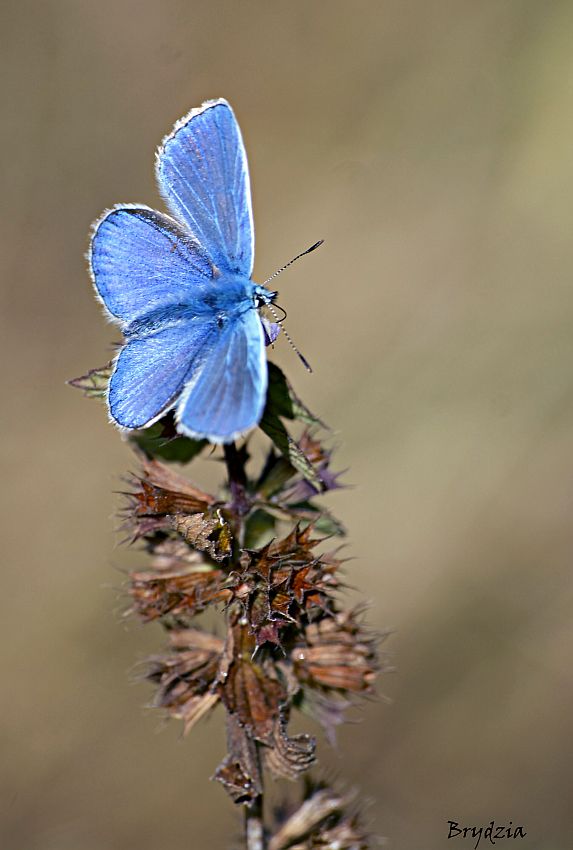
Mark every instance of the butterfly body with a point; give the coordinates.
(179, 287)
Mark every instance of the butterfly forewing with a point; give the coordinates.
(203, 176)
(143, 261)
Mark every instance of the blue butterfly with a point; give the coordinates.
(180, 288)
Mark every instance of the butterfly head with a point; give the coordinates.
(263, 296)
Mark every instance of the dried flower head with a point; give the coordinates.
(187, 677)
(257, 554)
(324, 819)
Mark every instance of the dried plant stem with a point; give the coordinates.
(254, 830)
(237, 485)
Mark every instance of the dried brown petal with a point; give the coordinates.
(187, 677)
(250, 692)
(289, 757)
(257, 720)
(296, 548)
(325, 819)
(163, 491)
(240, 770)
(306, 818)
(180, 583)
(313, 448)
(337, 654)
(346, 835)
(240, 786)
(280, 582)
(335, 662)
(210, 534)
(165, 500)
(298, 544)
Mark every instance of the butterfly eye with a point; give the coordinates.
(261, 299)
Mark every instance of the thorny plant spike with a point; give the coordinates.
(262, 552)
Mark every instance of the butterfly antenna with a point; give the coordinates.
(294, 259)
(303, 359)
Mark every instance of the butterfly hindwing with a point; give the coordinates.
(151, 370)
(227, 395)
(142, 261)
(203, 176)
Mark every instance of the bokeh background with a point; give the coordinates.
(430, 145)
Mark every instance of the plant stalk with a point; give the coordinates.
(254, 829)
(240, 504)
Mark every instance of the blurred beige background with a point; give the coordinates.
(431, 145)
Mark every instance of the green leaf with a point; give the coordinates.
(260, 527)
(95, 383)
(329, 525)
(274, 428)
(159, 443)
(283, 401)
(302, 413)
(275, 475)
(321, 518)
(279, 401)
